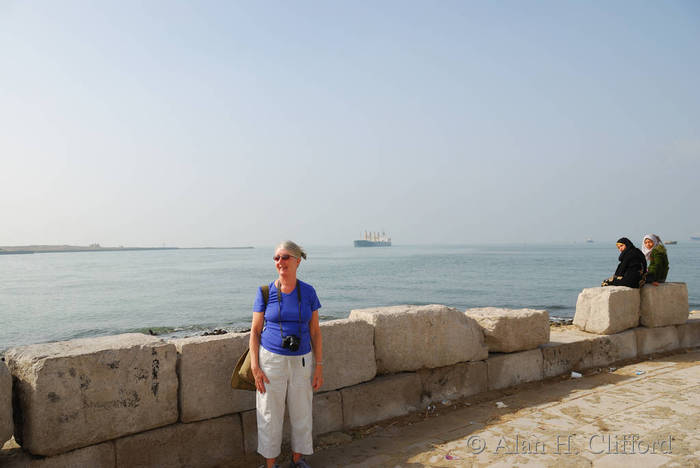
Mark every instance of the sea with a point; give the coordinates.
(48, 297)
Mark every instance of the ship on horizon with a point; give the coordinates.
(373, 239)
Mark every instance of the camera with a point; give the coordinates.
(291, 342)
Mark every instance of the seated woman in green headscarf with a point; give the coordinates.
(655, 253)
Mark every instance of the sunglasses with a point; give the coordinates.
(277, 258)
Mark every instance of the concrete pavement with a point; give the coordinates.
(644, 414)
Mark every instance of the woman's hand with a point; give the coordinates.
(318, 377)
(260, 378)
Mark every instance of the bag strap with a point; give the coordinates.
(265, 288)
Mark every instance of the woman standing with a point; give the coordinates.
(630, 271)
(286, 357)
(655, 254)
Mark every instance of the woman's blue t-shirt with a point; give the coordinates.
(271, 338)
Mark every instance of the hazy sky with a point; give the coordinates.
(242, 123)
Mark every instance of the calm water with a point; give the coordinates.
(60, 296)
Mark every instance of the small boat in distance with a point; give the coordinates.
(373, 239)
(671, 242)
(589, 241)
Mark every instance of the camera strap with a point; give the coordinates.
(278, 285)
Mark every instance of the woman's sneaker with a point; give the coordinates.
(300, 464)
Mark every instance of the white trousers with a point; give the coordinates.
(290, 378)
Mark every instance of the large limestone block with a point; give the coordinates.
(607, 310)
(328, 413)
(453, 382)
(507, 370)
(576, 350)
(250, 431)
(663, 305)
(383, 398)
(608, 349)
(6, 425)
(249, 423)
(411, 337)
(95, 456)
(215, 442)
(205, 365)
(327, 417)
(564, 352)
(78, 393)
(509, 330)
(348, 353)
(689, 332)
(657, 340)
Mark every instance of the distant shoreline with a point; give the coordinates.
(32, 249)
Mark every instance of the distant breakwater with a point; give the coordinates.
(70, 248)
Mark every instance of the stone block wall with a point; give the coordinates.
(348, 353)
(95, 456)
(656, 340)
(689, 332)
(610, 310)
(510, 330)
(611, 348)
(663, 305)
(383, 398)
(204, 366)
(82, 392)
(214, 442)
(576, 351)
(453, 382)
(134, 400)
(6, 424)
(607, 310)
(507, 370)
(408, 338)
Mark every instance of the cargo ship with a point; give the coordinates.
(373, 239)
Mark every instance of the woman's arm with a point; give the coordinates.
(658, 264)
(317, 348)
(653, 262)
(254, 350)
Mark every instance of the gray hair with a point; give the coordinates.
(292, 248)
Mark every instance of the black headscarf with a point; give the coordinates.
(628, 247)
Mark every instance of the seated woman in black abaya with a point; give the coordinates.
(632, 268)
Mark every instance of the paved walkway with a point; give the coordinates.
(642, 415)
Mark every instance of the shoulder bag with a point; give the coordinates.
(242, 377)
